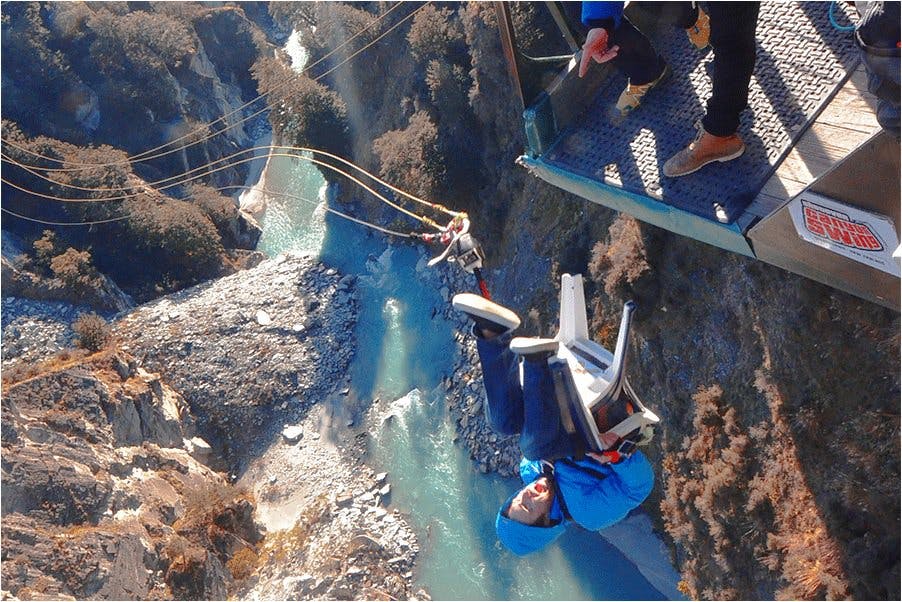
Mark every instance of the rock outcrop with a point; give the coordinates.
(108, 490)
(101, 498)
(107, 297)
(250, 349)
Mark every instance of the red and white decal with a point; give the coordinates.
(839, 228)
(860, 235)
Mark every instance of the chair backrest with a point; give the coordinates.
(598, 376)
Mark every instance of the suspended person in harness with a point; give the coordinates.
(576, 468)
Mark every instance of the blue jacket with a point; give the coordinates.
(602, 14)
(595, 496)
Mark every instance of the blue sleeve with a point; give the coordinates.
(635, 476)
(596, 14)
(602, 503)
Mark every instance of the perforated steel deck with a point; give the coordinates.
(801, 61)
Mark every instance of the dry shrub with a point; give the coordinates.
(23, 371)
(620, 263)
(74, 269)
(737, 493)
(93, 332)
(799, 545)
(703, 494)
(284, 543)
(243, 563)
(203, 502)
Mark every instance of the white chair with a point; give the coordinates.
(598, 377)
(595, 380)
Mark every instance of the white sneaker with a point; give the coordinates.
(487, 314)
(533, 345)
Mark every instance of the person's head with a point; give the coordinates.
(524, 524)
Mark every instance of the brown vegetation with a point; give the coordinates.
(218, 520)
(163, 244)
(92, 331)
(21, 371)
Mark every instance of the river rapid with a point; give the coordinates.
(405, 348)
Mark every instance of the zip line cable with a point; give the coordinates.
(49, 223)
(157, 184)
(140, 157)
(264, 190)
(421, 218)
(426, 220)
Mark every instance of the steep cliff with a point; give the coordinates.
(91, 84)
(103, 493)
(779, 455)
(139, 472)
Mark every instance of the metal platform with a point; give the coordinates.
(817, 192)
(801, 62)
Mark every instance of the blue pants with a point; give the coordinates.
(530, 410)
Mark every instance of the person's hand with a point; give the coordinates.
(596, 47)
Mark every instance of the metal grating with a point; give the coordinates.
(801, 62)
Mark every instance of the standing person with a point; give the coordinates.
(730, 28)
(594, 492)
(878, 38)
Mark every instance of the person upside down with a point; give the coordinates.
(594, 492)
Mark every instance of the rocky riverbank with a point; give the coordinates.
(465, 399)
(231, 362)
(257, 348)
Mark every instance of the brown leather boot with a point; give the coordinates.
(706, 148)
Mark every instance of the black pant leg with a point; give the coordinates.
(637, 58)
(733, 40)
(680, 14)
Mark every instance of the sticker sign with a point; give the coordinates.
(866, 237)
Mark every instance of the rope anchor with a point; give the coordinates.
(460, 246)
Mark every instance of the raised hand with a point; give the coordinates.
(596, 47)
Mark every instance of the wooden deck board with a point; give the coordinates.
(844, 124)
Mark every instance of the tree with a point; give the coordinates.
(436, 34)
(448, 87)
(305, 112)
(45, 249)
(410, 158)
(335, 23)
(175, 237)
(74, 269)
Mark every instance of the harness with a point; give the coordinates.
(565, 395)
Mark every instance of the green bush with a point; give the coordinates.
(174, 237)
(306, 112)
(335, 23)
(75, 270)
(436, 34)
(45, 249)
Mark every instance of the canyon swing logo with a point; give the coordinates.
(839, 228)
(859, 235)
